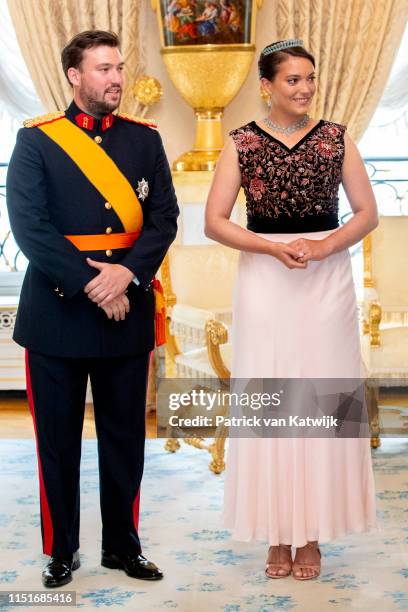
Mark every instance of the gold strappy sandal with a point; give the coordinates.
(278, 565)
(313, 566)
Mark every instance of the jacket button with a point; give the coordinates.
(61, 294)
(108, 205)
(108, 230)
(108, 253)
(98, 139)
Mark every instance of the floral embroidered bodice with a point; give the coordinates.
(291, 189)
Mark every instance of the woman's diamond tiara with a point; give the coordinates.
(284, 44)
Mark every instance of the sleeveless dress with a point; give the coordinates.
(295, 323)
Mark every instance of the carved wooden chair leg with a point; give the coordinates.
(151, 384)
(372, 396)
(217, 464)
(172, 445)
(217, 450)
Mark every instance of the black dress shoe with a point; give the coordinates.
(58, 570)
(136, 566)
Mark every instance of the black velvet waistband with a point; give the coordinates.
(292, 225)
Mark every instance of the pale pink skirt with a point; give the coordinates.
(297, 324)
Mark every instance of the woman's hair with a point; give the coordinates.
(268, 64)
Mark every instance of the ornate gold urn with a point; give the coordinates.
(207, 48)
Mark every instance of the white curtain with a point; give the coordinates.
(387, 134)
(393, 107)
(17, 94)
(18, 99)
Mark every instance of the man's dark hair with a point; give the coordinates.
(72, 53)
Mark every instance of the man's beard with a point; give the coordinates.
(95, 106)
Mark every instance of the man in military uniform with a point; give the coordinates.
(92, 206)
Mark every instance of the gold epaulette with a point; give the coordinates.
(28, 123)
(149, 122)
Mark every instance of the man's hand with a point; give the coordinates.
(111, 282)
(117, 308)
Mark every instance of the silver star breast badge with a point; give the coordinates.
(142, 189)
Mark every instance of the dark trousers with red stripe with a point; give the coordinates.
(56, 389)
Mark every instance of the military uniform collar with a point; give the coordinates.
(88, 122)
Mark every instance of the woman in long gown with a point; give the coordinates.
(294, 312)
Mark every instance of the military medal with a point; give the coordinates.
(142, 189)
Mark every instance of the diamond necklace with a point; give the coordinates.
(288, 130)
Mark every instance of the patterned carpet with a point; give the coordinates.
(181, 531)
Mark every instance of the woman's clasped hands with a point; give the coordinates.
(296, 254)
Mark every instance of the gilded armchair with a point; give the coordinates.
(385, 312)
(198, 283)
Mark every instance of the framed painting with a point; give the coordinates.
(203, 22)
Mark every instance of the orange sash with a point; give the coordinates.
(103, 242)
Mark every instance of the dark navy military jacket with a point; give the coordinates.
(49, 197)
